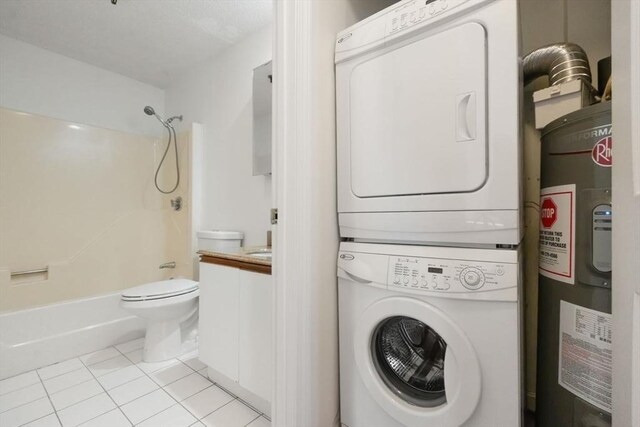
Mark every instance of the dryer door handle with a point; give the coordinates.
(466, 117)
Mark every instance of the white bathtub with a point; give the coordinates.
(38, 337)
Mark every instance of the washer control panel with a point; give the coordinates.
(444, 275)
(412, 13)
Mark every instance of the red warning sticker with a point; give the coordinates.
(557, 232)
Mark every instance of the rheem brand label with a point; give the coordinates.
(601, 153)
(557, 232)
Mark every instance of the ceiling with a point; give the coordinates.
(148, 40)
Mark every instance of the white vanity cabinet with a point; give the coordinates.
(218, 325)
(235, 327)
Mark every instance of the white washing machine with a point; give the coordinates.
(428, 124)
(429, 336)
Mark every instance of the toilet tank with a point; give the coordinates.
(219, 240)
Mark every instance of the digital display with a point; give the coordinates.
(435, 270)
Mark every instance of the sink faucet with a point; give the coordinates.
(171, 264)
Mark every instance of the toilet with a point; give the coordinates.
(170, 308)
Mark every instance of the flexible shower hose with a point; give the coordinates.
(172, 133)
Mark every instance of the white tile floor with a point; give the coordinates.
(114, 387)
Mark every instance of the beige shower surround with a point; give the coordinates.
(81, 201)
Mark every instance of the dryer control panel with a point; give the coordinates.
(444, 275)
(409, 14)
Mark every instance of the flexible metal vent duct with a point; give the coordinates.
(562, 62)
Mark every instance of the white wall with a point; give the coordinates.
(218, 94)
(38, 81)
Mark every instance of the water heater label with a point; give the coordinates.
(584, 359)
(601, 152)
(557, 233)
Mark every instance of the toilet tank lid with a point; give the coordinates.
(161, 288)
(220, 234)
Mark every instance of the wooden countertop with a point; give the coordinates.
(240, 260)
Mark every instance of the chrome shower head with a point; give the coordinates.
(148, 110)
(151, 112)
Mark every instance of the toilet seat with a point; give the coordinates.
(160, 290)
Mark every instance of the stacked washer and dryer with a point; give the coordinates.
(429, 196)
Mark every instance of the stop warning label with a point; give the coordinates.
(557, 232)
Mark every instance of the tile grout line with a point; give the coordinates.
(160, 387)
(84, 365)
(95, 378)
(56, 376)
(216, 410)
(260, 413)
(21, 388)
(176, 400)
(252, 420)
(47, 393)
(213, 383)
(206, 388)
(144, 374)
(39, 378)
(48, 397)
(68, 406)
(235, 397)
(26, 403)
(106, 392)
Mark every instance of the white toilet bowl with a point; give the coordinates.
(167, 306)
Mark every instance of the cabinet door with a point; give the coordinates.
(218, 326)
(256, 367)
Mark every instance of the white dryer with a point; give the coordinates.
(429, 336)
(428, 109)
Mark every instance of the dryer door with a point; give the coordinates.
(417, 363)
(418, 117)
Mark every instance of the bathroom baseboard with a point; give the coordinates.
(37, 337)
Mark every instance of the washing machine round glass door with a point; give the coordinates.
(417, 363)
(409, 357)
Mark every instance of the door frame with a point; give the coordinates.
(625, 44)
(305, 390)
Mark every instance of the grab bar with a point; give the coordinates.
(25, 272)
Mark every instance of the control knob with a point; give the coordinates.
(472, 278)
